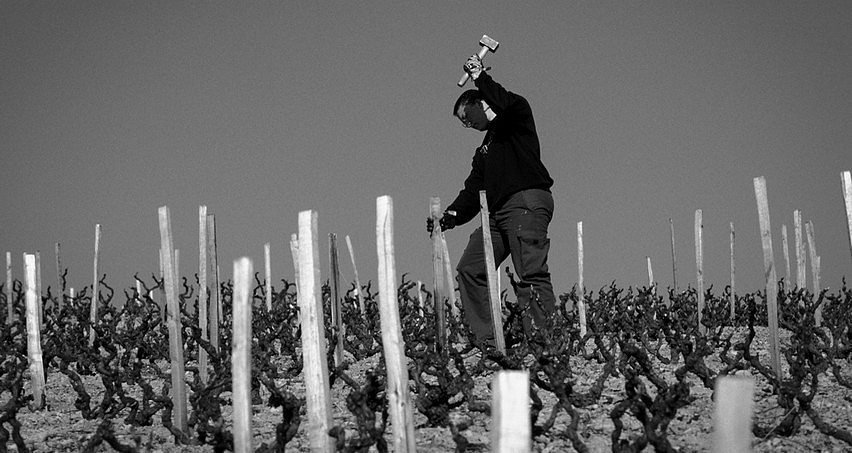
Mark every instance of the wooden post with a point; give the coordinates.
(809, 231)
(846, 178)
(315, 368)
(241, 356)
(732, 414)
(60, 288)
(267, 261)
(215, 315)
(699, 266)
(336, 308)
(733, 300)
(674, 257)
(771, 279)
(438, 290)
(34, 333)
(175, 332)
(355, 271)
(491, 272)
(203, 318)
(39, 291)
(93, 308)
(801, 272)
(581, 290)
(449, 279)
(650, 272)
(294, 251)
(785, 247)
(399, 405)
(10, 312)
(511, 430)
(420, 302)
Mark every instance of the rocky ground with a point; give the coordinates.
(60, 427)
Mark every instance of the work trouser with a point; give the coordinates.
(519, 229)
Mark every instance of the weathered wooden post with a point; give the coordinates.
(93, 308)
(449, 279)
(241, 356)
(60, 287)
(511, 430)
(438, 289)
(801, 271)
(267, 261)
(809, 232)
(581, 290)
(699, 266)
(215, 315)
(176, 354)
(732, 414)
(358, 295)
(315, 368)
(34, 333)
(846, 178)
(674, 257)
(733, 295)
(8, 289)
(491, 272)
(399, 404)
(336, 308)
(203, 318)
(771, 279)
(294, 251)
(785, 247)
(650, 272)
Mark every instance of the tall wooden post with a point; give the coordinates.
(581, 290)
(733, 296)
(438, 290)
(203, 318)
(674, 257)
(241, 356)
(60, 288)
(10, 312)
(491, 272)
(771, 279)
(699, 266)
(34, 332)
(809, 231)
(801, 272)
(294, 251)
(846, 178)
(399, 404)
(267, 265)
(215, 315)
(785, 247)
(358, 295)
(176, 353)
(93, 309)
(315, 368)
(336, 308)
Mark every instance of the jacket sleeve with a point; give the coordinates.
(466, 203)
(500, 99)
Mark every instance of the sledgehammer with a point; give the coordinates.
(487, 44)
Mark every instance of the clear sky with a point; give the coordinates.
(646, 111)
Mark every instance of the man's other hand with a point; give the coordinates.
(447, 222)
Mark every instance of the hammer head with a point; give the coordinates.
(489, 43)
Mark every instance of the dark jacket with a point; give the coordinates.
(509, 159)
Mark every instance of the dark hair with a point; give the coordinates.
(467, 98)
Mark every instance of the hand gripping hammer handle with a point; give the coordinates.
(487, 44)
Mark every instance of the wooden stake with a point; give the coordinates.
(809, 230)
(699, 266)
(732, 414)
(176, 353)
(733, 297)
(771, 279)
(399, 405)
(511, 430)
(846, 178)
(315, 368)
(491, 272)
(355, 271)
(39, 291)
(10, 312)
(650, 272)
(34, 333)
(60, 288)
(203, 318)
(438, 290)
(267, 261)
(801, 271)
(674, 258)
(336, 308)
(449, 279)
(241, 356)
(215, 315)
(785, 247)
(294, 250)
(93, 308)
(581, 290)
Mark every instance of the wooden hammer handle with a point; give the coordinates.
(484, 50)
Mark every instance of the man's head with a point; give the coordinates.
(473, 111)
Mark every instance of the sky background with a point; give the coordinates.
(646, 111)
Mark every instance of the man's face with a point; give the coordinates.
(473, 116)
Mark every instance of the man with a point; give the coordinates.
(517, 185)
